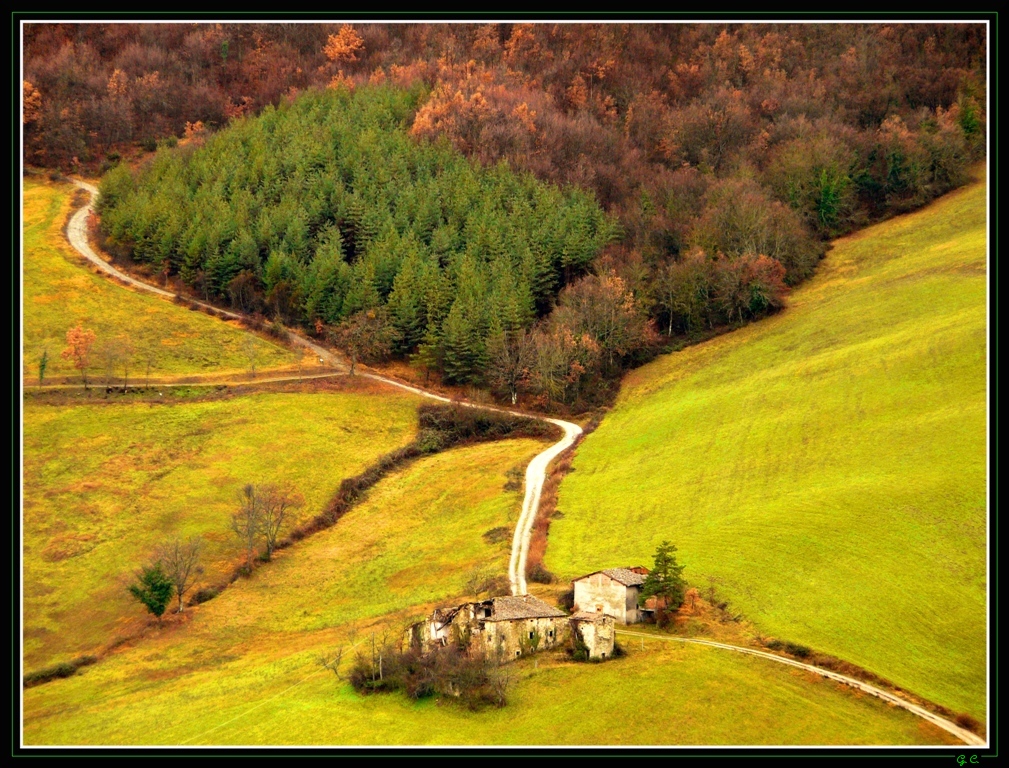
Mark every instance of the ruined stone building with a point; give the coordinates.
(596, 631)
(505, 627)
(614, 592)
(510, 627)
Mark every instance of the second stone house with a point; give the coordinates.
(614, 592)
(596, 632)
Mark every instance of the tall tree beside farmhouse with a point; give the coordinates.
(665, 580)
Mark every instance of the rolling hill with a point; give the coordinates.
(244, 668)
(105, 484)
(824, 470)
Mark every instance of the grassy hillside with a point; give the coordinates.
(104, 485)
(243, 669)
(825, 467)
(59, 293)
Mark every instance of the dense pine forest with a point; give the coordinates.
(328, 208)
(529, 207)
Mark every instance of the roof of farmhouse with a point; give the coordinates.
(626, 576)
(521, 607)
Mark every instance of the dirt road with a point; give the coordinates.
(77, 233)
(961, 733)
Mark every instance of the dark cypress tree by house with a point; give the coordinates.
(665, 580)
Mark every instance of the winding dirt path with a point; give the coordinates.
(536, 474)
(961, 733)
(77, 234)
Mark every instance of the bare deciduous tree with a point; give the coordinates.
(126, 351)
(276, 504)
(367, 336)
(478, 581)
(181, 563)
(604, 308)
(333, 664)
(511, 354)
(264, 511)
(250, 348)
(242, 290)
(151, 360)
(108, 358)
(501, 681)
(246, 522)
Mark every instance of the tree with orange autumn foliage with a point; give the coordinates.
(79, 343)
(484, 112)
(749, 287)
(32, 103)
(603, 308)
(195, 132)
(344, 46)
(340, 80)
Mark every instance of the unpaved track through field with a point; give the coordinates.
(77, 234)
(961, 733)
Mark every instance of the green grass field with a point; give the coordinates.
(103, 485)
(244, 668)
(826, 467)
(60, 292)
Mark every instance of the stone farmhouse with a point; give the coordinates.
(507, 627)
(614, 592)
(510, 627)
